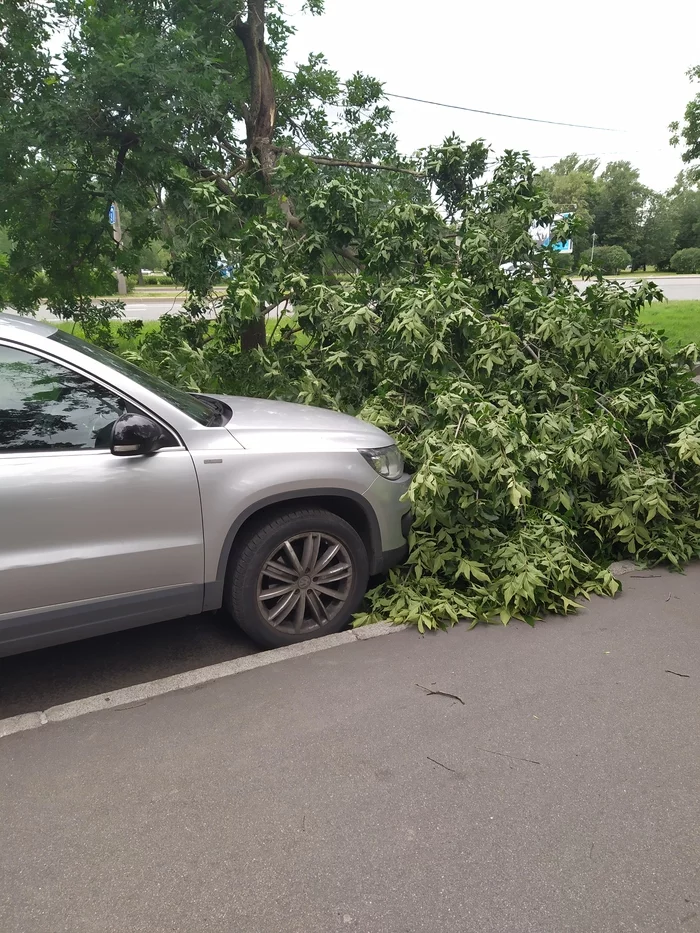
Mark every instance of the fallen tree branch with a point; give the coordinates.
(231, 149)
(127, 142)
(286, 207)
(440, 693)
(219, 180)
(350, 163)
(436, 762)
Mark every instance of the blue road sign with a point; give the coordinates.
(113, 215)
(543, 235)
(566, 247)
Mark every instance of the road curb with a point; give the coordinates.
(139, 693)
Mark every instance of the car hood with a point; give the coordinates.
(265, 424)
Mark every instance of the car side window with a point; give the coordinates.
(46, 406)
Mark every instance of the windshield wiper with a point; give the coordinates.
(221, 411)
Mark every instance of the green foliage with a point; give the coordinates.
(658, 234)
(619, 206)
(125, 337)
(154, 257)
(686, 261)
(144, 106)
(548, 433)
(622, 212)
(572, 186)
(612, 203)
(158, 280)
(689, 133)
(609, 260)
(685, 207)
(96, 322)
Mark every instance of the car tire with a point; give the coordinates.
(296, 576)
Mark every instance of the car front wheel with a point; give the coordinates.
(297, 576)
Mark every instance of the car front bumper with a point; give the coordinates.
(394, 519)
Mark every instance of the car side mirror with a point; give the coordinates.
(134, 434)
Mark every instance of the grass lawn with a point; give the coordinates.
(149, 327)
(679, 320)
(121, 343)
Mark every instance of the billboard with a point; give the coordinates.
(542, 235)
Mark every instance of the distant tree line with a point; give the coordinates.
(616, 210)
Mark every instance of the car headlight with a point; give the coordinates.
(387, 461)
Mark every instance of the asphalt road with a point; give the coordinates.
(675, 288)
(552, 786)
(141, 309)
(151, 310)
(37, 680)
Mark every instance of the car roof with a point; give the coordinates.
(10, 323)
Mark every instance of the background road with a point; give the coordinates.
(675, 288)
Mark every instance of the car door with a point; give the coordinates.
(88, 541)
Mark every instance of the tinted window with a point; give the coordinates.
(44, 406)
(204, 412)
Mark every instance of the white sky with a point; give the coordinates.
(611, 63)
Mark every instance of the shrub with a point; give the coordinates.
(564, 262)
(686, 260)
(158, 280)
(611, 259)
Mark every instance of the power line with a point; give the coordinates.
(583, 155)
(507, 116)
(489, 113)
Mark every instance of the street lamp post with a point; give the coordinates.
(593, 239)
(116, 222)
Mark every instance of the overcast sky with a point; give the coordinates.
(609, 63)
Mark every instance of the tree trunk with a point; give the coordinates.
(260, 125)
(254, 335)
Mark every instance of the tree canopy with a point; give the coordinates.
(622, 212)
(178, 112)
(689, 131)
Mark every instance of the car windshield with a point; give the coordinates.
(204, 410)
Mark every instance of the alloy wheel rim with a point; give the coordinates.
(305, 582)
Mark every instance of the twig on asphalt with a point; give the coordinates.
(441, 764)
(440, 693)
(645, 576)
(676, 673)
(512, 757)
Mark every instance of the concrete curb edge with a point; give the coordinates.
(138, 693)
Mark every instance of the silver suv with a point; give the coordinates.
(125, 501)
